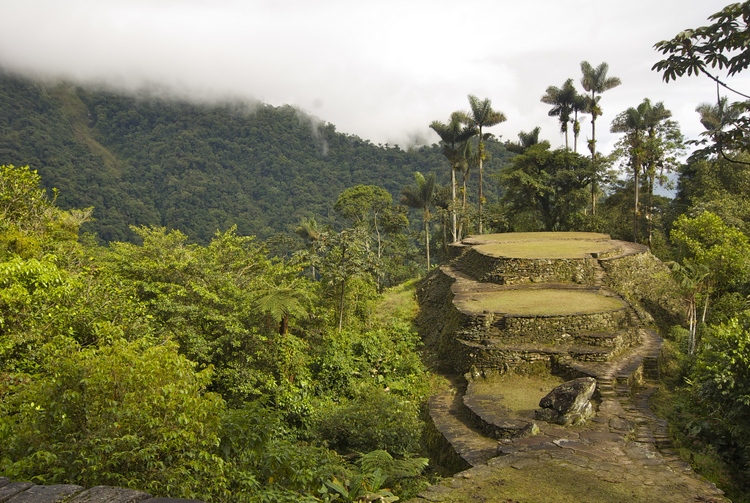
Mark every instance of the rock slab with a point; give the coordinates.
(569, 403)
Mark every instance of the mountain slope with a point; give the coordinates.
(195, 167)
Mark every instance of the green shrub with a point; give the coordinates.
(119, 415)
(267, 466)
(374, 420)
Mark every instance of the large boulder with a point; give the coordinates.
(569, 403)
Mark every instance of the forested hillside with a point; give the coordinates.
(199, 168)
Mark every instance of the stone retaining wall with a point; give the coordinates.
(514, 271)
(551, 329)
(438, 320)
(479, 359)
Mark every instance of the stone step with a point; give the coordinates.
(602, 339)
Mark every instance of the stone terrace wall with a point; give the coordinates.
(438, 319)
(477, 359)
(540, 329)
(514, 271)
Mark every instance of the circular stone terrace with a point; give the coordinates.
(538, 302)
(545, 245)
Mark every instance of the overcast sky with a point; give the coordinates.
(380, 69)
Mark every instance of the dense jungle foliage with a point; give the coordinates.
(216, 300)
(198, 371)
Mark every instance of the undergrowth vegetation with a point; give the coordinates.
(212, 372)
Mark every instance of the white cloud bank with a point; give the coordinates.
(380, 69)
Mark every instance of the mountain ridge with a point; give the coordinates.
(197, 167)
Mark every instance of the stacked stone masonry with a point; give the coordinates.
(468, 339)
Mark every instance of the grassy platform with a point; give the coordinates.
(552, 249)
(539, 301)
(541, 245)
(517, 394)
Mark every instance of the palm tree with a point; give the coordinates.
(482, 115)
(454, 136)
(578, 106)
(444, 205)
(420, 196)
(308, 230)
(653, 117)
(472, 161)
(595, 81)
(525, 140)
(715, 117)
(561, 99)
(651, 143)
(632, 122)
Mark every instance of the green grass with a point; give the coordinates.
(535, 236)
(519, 394)
(554, 249)
(543, 302)
(398, 303)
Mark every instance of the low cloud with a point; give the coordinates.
(382, 71)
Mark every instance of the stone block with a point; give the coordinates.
(11, 489)
(106, 494)
(46, 494)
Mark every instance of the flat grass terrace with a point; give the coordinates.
(538, 302)
(544, 245)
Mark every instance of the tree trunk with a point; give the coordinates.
(463, 221)
(445, 236)
(379, 275)
(650, 211)
(481, 173)
(427, 238)
(341, 305)
(692, 322)
(453, 207)
(592, 147)
(636, 182)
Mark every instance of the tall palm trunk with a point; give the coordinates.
(427, 236)
(454, 227)
(481, 173)
(341, 305)
(592, 148)
(636, 181)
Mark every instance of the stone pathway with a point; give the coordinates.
(626, 443)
